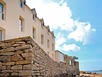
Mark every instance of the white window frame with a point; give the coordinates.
(1, 13)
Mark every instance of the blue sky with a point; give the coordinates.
(90, 10)
(77, 27)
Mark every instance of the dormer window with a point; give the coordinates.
(42, 23)
(1, 11)
(21, 4)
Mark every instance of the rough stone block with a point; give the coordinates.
(2, 44)
(14, 74)
(7, 71)
(22, 47)
(5, 58)
(5, 45)
(16, 67)
(3, 68)
(4, 74)
(12, 42)
(0, 64)
(15, 45)
(9, 63)
(16, 57)
(27, 55)
(24, 62)
(19, 52)
(8, 49)
(25, 72)
(7, 53)
(28, 76)
(34, 67)
(27, 67)
(20, 42)
(8, 67)
(28, 51)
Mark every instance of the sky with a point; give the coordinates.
(77, 27)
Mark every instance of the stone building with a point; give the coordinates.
(59, 56)
(18, 20)
(27, 46)
(68, 60)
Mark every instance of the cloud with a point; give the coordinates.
(61, 1)
(82, 32)
(94, 30)
(58, 15)
(59, 41)
(54, 14)
(71, 47)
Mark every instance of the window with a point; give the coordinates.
(61, 58)
(52, 46)
(20, 3)
(42, 39)
(48, 44)
(21, 24)
(70, 62)
(1, 11)
(33, 16)
(34, 33)
(0, 34)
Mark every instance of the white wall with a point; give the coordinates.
(11, 25)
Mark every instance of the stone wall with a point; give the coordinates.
(22, 57)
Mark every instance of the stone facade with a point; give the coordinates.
(59, 56)
(32, 56)
(23, 57)
(12, 27)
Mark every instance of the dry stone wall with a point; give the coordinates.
(22, 57)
